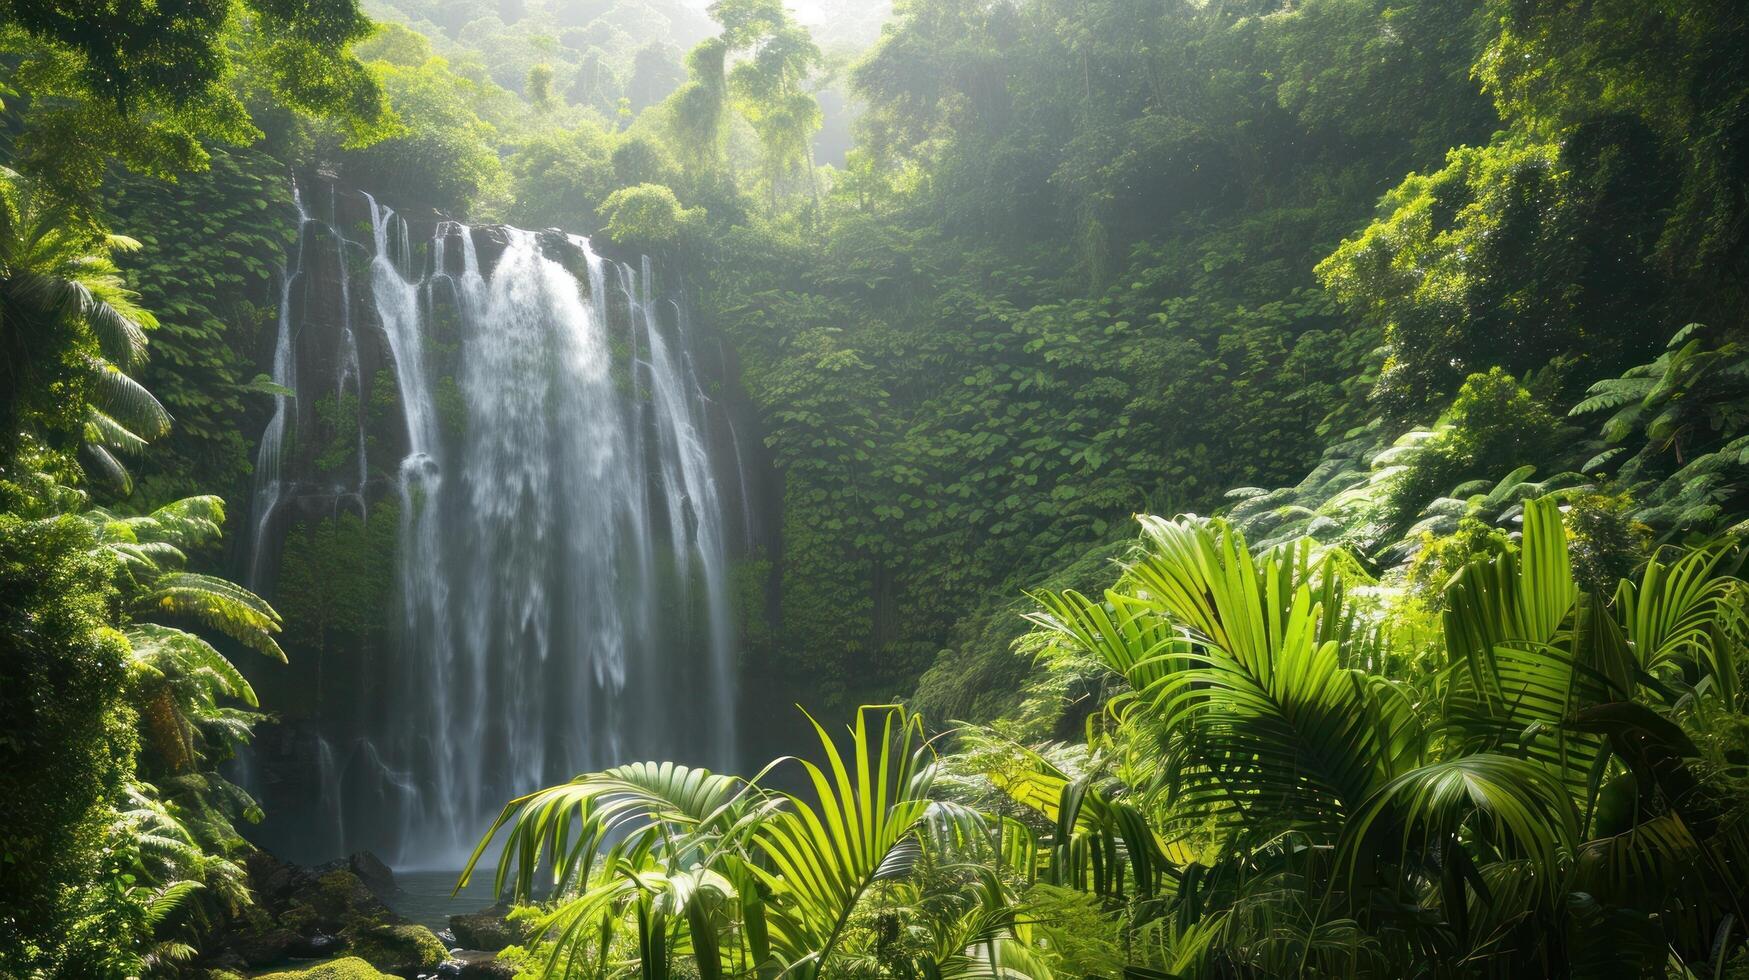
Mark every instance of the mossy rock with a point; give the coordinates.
(400, 949)
(344, 893)
(488, 930)
(350, 968)
(333, 901)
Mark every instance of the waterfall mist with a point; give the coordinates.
(567, 496)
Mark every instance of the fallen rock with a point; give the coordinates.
(350, 968)
(311, 913)
(489, 930)
(401, 948)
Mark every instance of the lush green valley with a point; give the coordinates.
(877, 361)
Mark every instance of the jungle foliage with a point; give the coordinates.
(1438, 305)
(1084, 263)
(1289, 771)
(120, 690)
(119, 705)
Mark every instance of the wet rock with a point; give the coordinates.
(447, 938)
(350, 968)
(401, 948)
(330, 903)
(311, 900)
(374, 873)
(311, 913)
(475, 965)
(490, 241)
(316, 946)
(489, 930)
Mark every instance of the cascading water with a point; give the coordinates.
(562, 594)
(268, 482)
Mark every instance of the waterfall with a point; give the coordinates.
(562, 594)
(268, 481)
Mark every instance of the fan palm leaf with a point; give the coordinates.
(1508, 807)
(657, 832)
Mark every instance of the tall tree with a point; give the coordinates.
(766, 85)
(146, 84)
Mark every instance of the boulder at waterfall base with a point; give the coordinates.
(488, 930)
(350, 968)
(402, 948)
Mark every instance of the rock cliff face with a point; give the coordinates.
(509, 502)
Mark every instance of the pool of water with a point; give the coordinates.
(425, 896)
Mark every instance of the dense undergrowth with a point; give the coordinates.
(1289, 769)
(1383, 283)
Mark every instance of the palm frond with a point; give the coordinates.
(218, 604)
(117, 394)
(170, 651)
(1519, 807)
(656, 805)
(825, 853)
(1685, 613)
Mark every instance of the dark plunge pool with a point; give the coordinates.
(424, 896)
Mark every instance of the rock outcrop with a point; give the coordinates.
(489, 930)
(311, 913)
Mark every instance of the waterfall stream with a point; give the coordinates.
(562, 595)
(268, 483)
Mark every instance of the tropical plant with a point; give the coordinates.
(69, 332)
(159, 869)
(184, 688)
(1495, 504)
(1675, 432)
(173, 869)
(1536, 797)
(1276, 785)
(752, 882)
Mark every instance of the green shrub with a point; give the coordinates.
(647, 216)
(1493, 425)
(66, 750)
